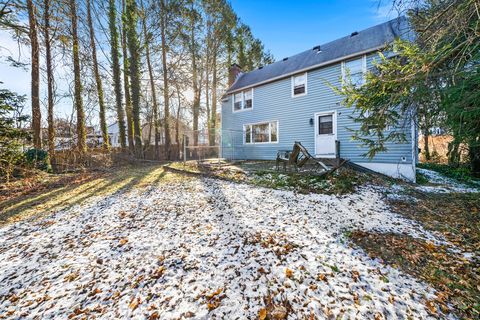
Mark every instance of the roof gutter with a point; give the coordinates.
(316, 66)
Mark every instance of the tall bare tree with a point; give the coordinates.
(50, 79)
(134, 51)
(194, 20)
(147, 37)
(126, 83)
(98, 80)
(81, 131)
(35, 74)
(166, 96)
(117, 84)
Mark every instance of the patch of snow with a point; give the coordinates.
(396, 192)
(166, 249)
(443, 184)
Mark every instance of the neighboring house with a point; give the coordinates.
(114, 135)
(270, 108)
(183, 129)
(66, 138)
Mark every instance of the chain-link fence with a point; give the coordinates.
(202, 145)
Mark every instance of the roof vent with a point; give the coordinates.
(285, 59)
(316, 48)
(261, 67)
(354, 34)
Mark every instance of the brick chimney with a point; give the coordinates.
(233, 73)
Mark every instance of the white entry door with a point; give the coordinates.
(325, 134)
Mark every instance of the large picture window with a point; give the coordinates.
(266, 132)
(299, 85)
(243, 100)
(353, 71)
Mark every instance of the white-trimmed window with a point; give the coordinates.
(354, 71)
(265, 132)
(243, 100)
(299, 85)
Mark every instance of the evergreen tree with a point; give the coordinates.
(435, 74)
(11, 135)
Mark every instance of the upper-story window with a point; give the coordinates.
(354, 71)
(243, 100)
(299, 85)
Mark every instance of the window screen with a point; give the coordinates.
(354, 72)
(237, 101)
(299, 84)
(325, 124)
(248, 99)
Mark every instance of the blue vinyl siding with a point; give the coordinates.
(273, 102)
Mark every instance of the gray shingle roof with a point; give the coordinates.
(366, 40)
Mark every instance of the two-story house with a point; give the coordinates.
(270, 108)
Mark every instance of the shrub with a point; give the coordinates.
(37, 159)
(11, 134)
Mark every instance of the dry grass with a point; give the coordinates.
(263, 174)
(55, 192)
(457, 218)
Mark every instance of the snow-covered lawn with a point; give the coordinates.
(207, 249)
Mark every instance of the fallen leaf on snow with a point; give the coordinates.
(378, 316)
(431, 306)
(159, 272)
(262, 314)
(134, 303)
(279, 313)
(355, 275)
(288, 273)
(322, 277)
(214, 293)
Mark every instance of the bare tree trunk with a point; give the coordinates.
(207, 81)
(152, 83)
(117, 85)
(177, 119)
(48, 52)
(474, 154)
(213, 119)
(425, 144)
(98, 80)
(35, 90)
(134, 51)
(150, 124)
(166, 97)
(126, 85)
(81, 132)
(196, 89)
(453, 152)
